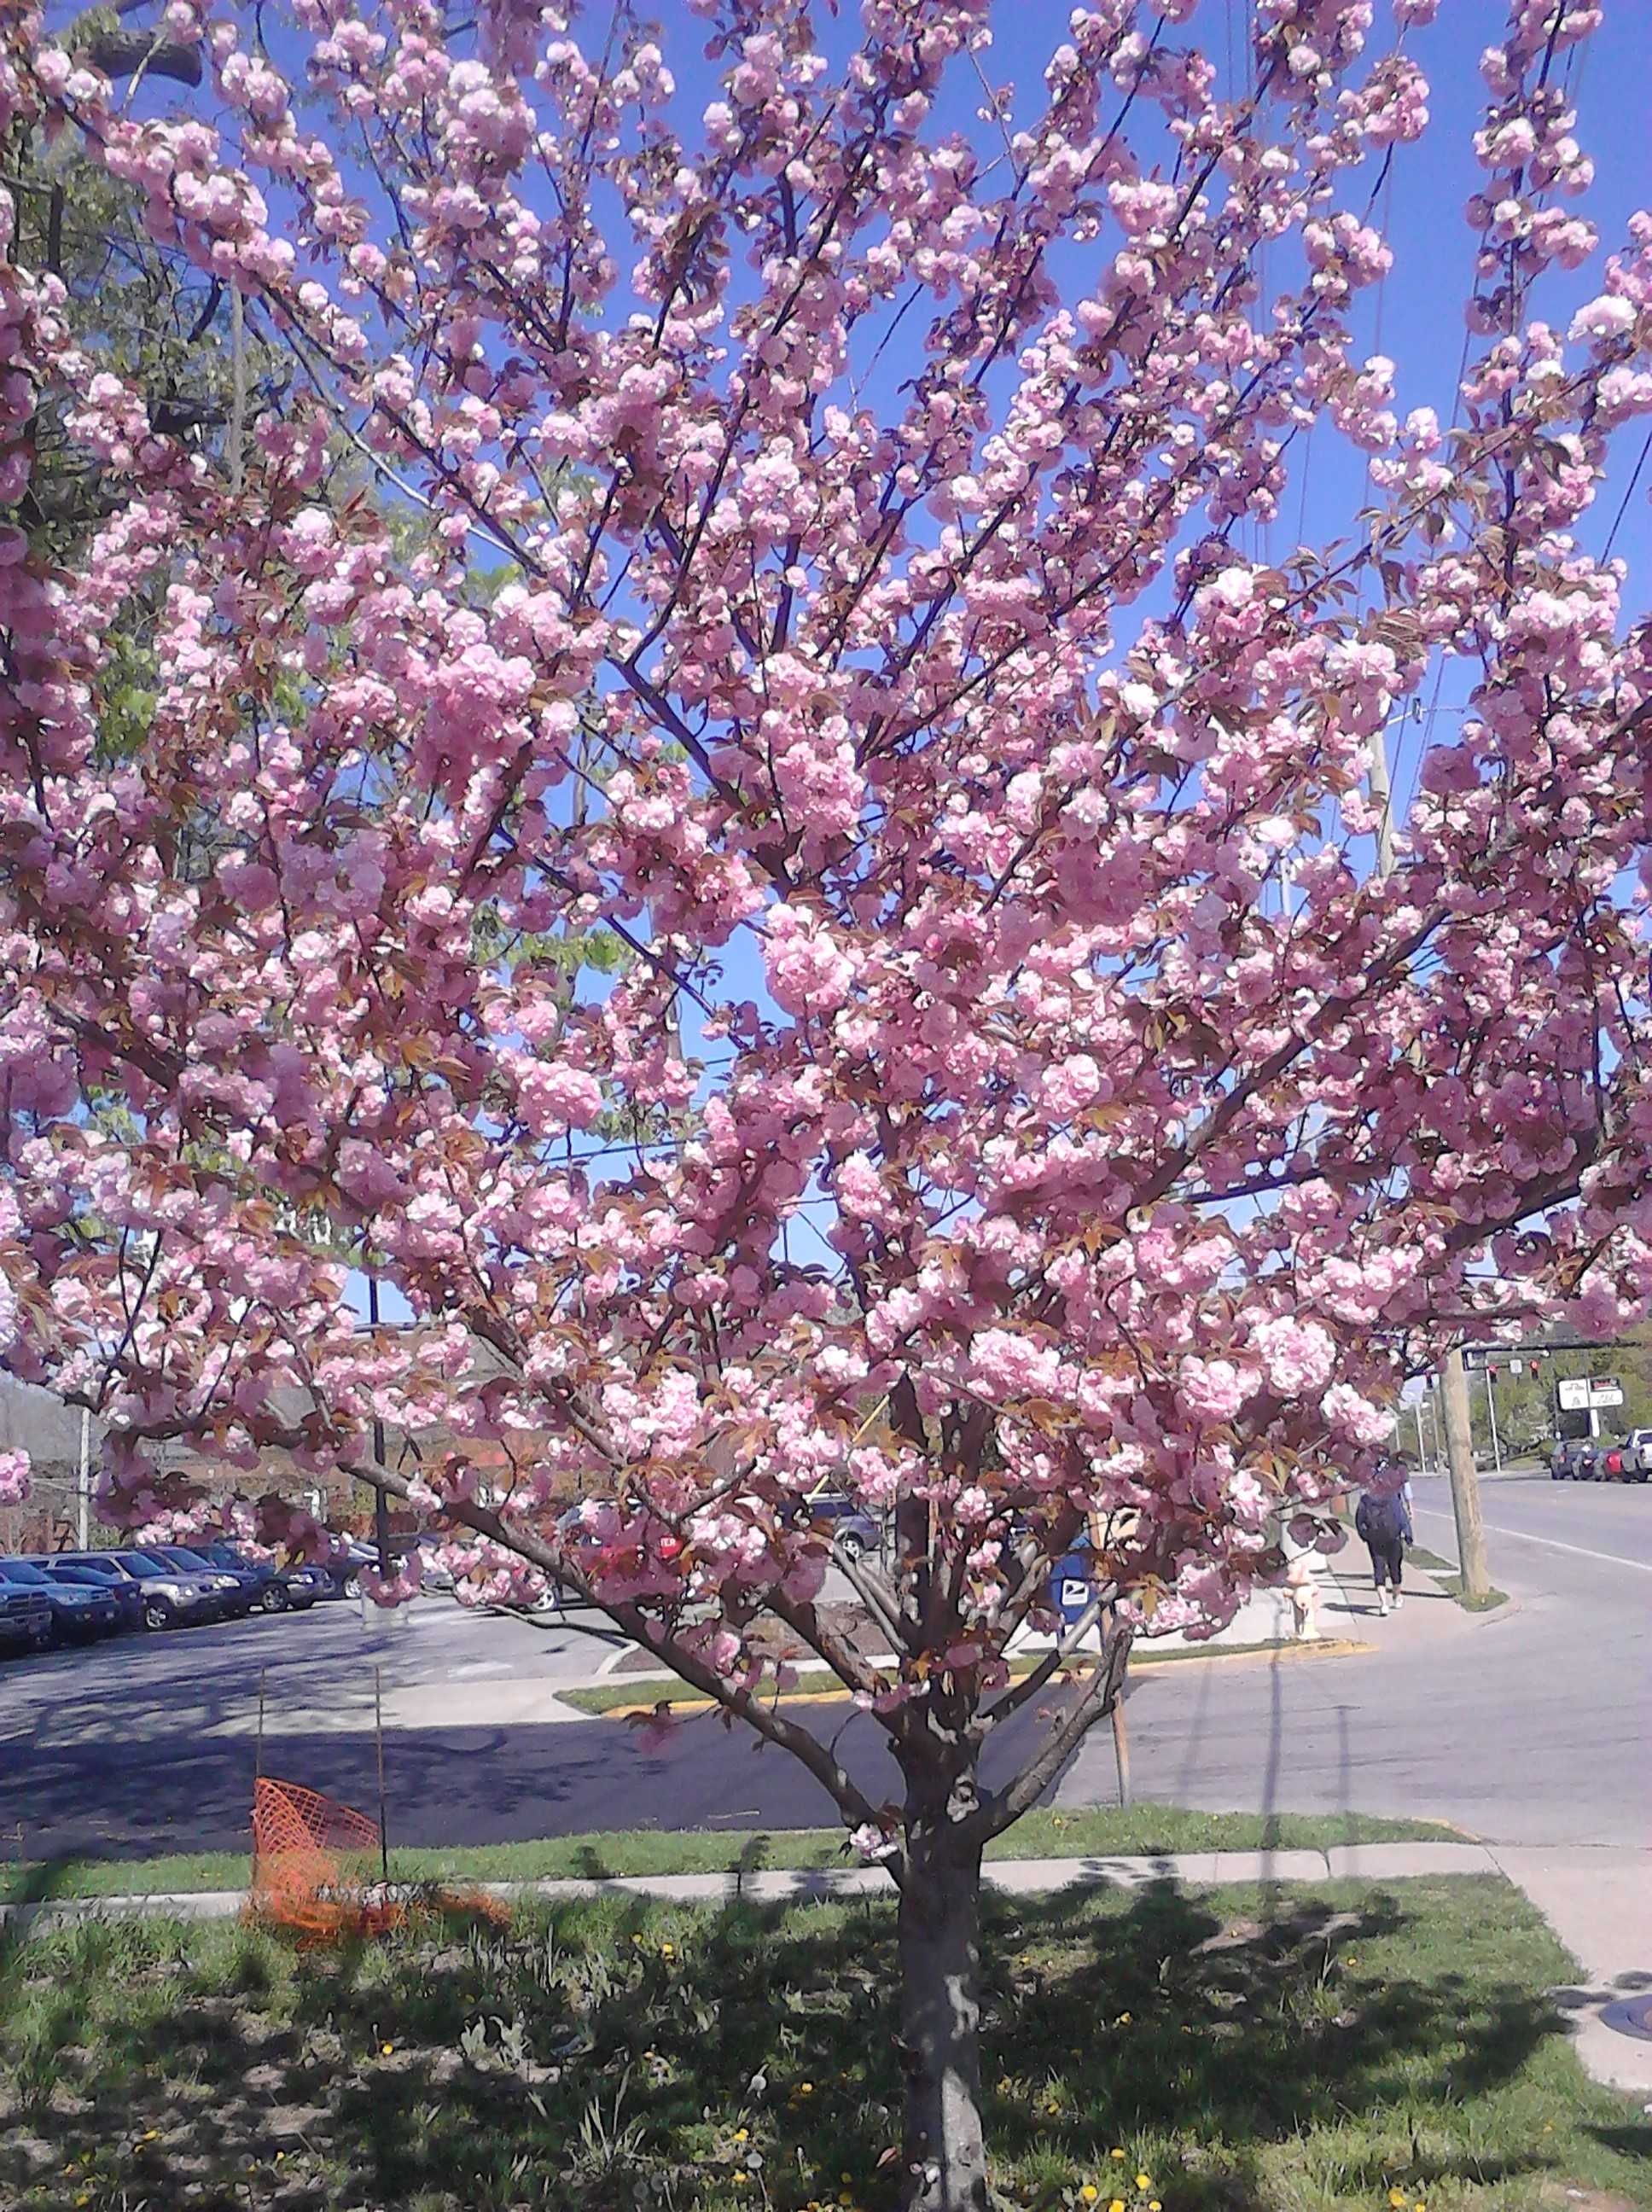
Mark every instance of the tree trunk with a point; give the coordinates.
(944, 2153)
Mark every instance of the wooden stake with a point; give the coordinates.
(1120, 1728)
(379, 1732)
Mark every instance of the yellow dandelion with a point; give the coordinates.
(387, 2049)
(1144, 2181)
(1089, 2192)
(1397, 2197)
(1117, 2205)
(741, 2134)
(1123, 2021)
(1115, 2154)
(1156, 2206)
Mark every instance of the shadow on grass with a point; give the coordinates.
(616, 2052)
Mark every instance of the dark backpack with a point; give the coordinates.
(1379, 1521)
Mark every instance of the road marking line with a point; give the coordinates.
(1554, 1543)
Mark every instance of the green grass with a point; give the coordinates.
(1136, 1832)
(1444, 1571)
(1488, 1601)
(1245, 2051)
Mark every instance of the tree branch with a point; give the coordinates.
(1002, 1807)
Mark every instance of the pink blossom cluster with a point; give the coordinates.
(15, 1470)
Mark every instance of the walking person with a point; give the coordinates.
(1383, 1520)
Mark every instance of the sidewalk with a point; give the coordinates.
(1598, 1902)
(1348, 1606)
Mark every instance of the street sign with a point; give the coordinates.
(1577, 1393)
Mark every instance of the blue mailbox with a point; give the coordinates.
(1071, 1591)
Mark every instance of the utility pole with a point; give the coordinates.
(1421, 1448)
(1492, 1416)
(1454, 1382)
(380, 1498)
(1464, 1483)
(83, 1486)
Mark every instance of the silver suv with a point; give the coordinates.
(171, 1599)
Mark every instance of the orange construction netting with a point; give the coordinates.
(317, 1867)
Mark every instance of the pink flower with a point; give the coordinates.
(552, 1097)
(874, 1844)
(1355, 1418)
(1214, 1389)
(1297, 1357)
(809, 972)
(13, 1477)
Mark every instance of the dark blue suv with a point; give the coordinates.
(25, 1617)
(78, 1611)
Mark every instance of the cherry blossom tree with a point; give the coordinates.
(1028, 1102)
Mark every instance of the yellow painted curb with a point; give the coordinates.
(1330, 1648)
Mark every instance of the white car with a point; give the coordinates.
(1636, 1448)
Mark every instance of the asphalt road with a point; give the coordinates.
(1530, 1725)
(151, 1744)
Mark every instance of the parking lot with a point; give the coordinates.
(316, 1671)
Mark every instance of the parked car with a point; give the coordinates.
(25, 1617)
(236, 1589)
(1637, 1455)
(343, 1568)
(233, 1592)
(171, 1599)
(1574, 1458)
(273, 1589)
(79, 1611)
(65, 1568)
(853, 1530)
